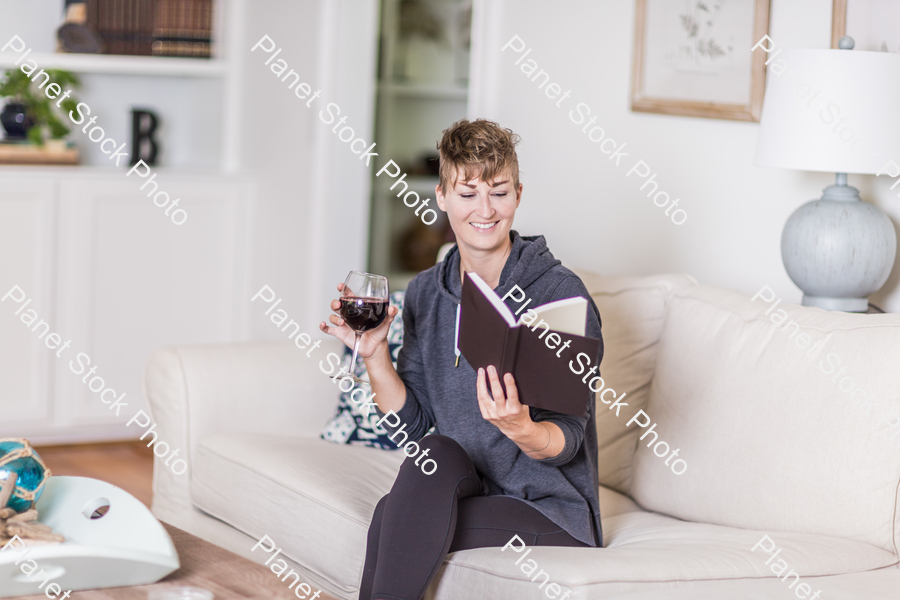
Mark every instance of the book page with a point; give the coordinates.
(495, 300)
(567, 316)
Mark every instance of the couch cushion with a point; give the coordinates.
(770, 439)
(632, 310)
(321, 521)
(881, 584)
(645, 547)
(314, 498)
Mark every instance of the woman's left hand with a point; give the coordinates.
(502, 410)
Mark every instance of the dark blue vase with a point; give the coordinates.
(15, 121)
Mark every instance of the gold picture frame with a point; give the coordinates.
(838, 21)
(748, 109)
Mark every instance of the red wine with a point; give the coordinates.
(363, 314)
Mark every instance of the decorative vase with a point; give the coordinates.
(15, 120)
(17, 456)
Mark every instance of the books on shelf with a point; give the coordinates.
(125, 26)
(537, 357)
(26, 153)
(183, 28)
(153, 27)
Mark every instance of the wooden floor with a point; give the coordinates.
(128, 465)
(203, 565)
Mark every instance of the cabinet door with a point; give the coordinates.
(115, 276)
(131, 280)
(26, 264)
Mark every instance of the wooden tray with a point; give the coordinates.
(32, 154)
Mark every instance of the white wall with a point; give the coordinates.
(312, 193)
(87, 246)
(592, 214)
(34, 21)
(311, 196)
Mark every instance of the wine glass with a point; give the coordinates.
(364, 306)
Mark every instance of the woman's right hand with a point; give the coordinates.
(369, 341)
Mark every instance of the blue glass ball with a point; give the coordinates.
(31, 473)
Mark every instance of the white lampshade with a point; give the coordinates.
(809, 92)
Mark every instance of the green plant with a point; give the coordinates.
(43, 111)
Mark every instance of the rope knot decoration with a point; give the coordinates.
(23, 525)
(26, 451)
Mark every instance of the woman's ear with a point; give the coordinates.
(439, 194)
(519, 194)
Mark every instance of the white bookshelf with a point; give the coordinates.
(425, 91)
(410, 116)
(101, 261)
(195, 98)
(107, 64)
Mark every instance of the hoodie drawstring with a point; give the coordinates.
(456, 339)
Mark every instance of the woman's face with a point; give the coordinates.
(481, 213)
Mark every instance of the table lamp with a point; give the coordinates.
(834, 111)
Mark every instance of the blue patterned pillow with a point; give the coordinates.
(351, 425)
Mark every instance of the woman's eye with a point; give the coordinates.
(468, 195)
(500, 195)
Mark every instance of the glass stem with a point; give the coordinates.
(355, 352)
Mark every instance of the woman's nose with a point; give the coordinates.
(485, 209)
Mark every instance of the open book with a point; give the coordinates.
(536, 348)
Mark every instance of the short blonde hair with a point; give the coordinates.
(479, 148)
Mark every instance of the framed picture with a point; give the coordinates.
(873, 24)
(693, 58)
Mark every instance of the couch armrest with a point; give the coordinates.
(271, 388)
(195, 391)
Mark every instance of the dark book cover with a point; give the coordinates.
(115, 25)
(148, 18)
(129, 26)
(125, 26)
(186, 26)
(487, 336)
(98, 18)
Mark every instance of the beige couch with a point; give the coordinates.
(773, 446)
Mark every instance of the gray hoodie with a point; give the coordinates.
(563, 488)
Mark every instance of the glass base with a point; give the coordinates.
(357, 380)
(344, 375)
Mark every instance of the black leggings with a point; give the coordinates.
(426, 516)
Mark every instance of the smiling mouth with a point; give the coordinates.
(484, 226)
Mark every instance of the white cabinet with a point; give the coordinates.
(26, 260)
(111, 273)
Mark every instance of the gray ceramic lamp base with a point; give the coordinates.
(859, 305)
(838, 250)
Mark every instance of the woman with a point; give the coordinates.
(503, 469)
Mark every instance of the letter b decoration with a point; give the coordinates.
(143, 126)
